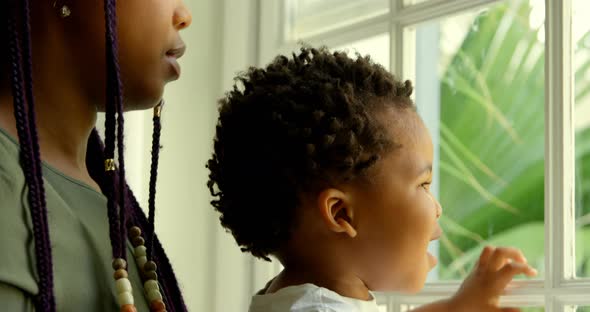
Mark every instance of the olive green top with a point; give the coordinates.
(79, 232)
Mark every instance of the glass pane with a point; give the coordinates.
(581, 65)
(377, 47)
(412, 2)
(576, 308)
(311, 17)
(480, 88)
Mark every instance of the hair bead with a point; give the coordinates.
(119, 264)
(109, 165)
(125, 298)
(123, 285)
(120, 273)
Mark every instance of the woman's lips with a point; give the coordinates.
(172, 57)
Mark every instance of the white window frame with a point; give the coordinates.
(558, 289)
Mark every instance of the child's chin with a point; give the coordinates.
(417, 287)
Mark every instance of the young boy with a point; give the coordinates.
(322, 161)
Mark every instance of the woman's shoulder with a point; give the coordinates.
(9, 156)
(13, 197)
(16, 240)
(12, 180)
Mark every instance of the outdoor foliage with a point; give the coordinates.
(492, 143)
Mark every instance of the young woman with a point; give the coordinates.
(71, 233)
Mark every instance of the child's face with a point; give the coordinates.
(398, 214)
(149, 44)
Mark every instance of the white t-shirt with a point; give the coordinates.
(309, 298)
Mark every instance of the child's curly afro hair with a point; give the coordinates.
(296, 126)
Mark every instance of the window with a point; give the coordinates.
(309, 17)
(581, 66)
(504, 87)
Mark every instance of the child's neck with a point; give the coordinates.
(342, 282)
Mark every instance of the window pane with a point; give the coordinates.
(581, 65)
(412, 2)
(310, 17)
(480, 88)
(377, 47)
(575, 308)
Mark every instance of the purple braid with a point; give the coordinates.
(113, 107)
(168, 282)
(157, 129)
(22, 88)
(29, 149)
(169, 285)
(28, 71)
(95, 155)
(116, 78)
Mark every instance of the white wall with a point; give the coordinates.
(185, 220)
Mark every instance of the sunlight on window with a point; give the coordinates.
(312, 17)
(489, 88)
(413, 2)
(377, 47)
(581, 66)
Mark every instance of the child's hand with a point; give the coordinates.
(494, 270)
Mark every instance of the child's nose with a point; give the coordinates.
(439, 209)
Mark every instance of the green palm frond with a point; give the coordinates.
(492, 137)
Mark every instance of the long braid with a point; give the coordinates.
(29, 148)
(118, 88)
(95, 155)
(168, 281)
(46, 280)
(170, 287)
(111, 108)
(167, 278)
(157, 129)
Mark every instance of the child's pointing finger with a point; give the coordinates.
(502, 255)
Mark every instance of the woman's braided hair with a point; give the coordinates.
(298, 125)
(123, 209)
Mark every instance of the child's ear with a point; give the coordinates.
(336, 211)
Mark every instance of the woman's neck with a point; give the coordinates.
(64, 122)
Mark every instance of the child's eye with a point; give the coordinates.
(426, 185)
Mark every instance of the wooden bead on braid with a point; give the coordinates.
(140, 251)
(157, 305)
(134, 232)
(138, 241)
(120, 274)
(151, 275)
(148, 273)
(123, 286)
(128, 308)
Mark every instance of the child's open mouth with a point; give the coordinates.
(432, 259)
(436, 235)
